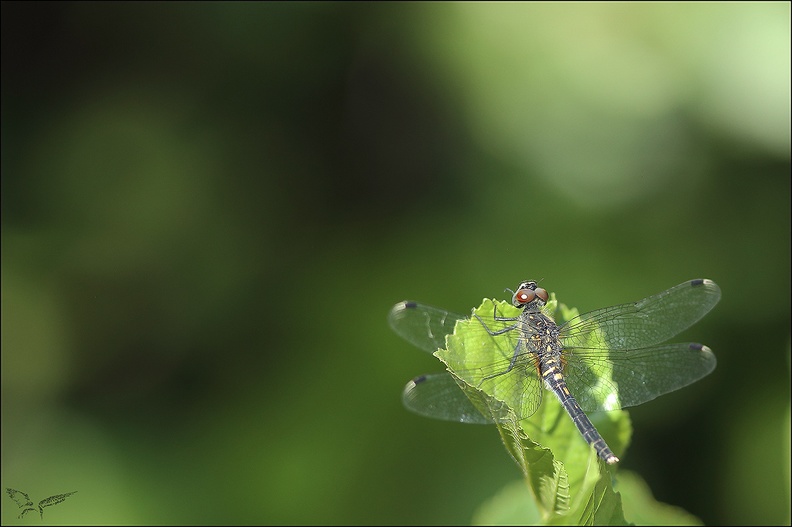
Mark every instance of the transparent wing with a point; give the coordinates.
(421, 325)
(621, 378)
(641, 324)
(438, 396)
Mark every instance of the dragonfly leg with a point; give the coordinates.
(495, 315)
(500, 331)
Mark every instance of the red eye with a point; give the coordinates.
(541, 293)
(523, 296)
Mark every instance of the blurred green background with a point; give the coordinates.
(208, 210)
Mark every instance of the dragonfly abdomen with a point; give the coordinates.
(551, 372)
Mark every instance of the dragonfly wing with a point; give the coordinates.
(440, 397)
(650, 321)
(621, 378)
(421, 325)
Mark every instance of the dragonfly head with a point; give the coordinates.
(527, 292)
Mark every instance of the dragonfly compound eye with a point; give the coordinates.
(523, 296)
(541, 293)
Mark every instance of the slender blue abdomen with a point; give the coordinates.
(554, 378)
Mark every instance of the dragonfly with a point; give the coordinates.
(603, 360)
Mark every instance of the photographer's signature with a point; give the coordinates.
(23, 500)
